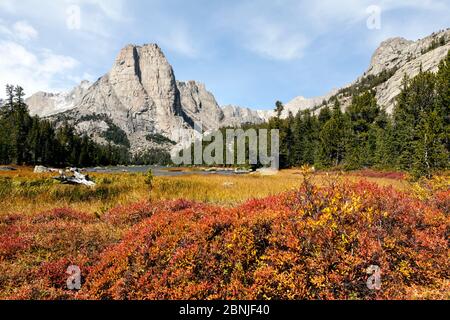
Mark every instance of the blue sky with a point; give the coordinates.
(248, 52)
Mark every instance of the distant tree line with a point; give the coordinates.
(414, 138)
(27, 140)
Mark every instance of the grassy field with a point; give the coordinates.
(295, 235)
(26, 192)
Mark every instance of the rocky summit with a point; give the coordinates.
(394, 59)
(141, 99)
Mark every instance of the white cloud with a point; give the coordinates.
(25, 31)
(34, 71)
(274, 41)
(268, 29)
(96, 15)
(20, 30)
(14, 55)
(330, 12)
(112, 9)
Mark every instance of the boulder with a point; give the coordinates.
(41, 169)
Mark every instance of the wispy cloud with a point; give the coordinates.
(283, 30)
(35, 71)
(274, 41)
(25, 31)
(20, 30)
(34, 68)
(96, 15)
(41, 61)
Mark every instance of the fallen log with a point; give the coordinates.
(76, 179)
(7, 169)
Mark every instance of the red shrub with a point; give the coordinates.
(63, 214)
(133, 214)
(381, 174)
(316, 243)
(129, 215)
(311, 244)
(11, 245)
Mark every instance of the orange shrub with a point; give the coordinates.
(316, 243)
(36, 250)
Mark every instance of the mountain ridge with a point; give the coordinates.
(141, 95)
(395, 57)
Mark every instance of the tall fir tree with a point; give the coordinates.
(362, 114)
(334, 138)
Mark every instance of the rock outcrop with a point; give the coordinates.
(395, 58)
(141, 97)
(388, 91)
(46, 104)
(200, 105)
(139, 94)
(235, 116)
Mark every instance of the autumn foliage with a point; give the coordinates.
(312, 243)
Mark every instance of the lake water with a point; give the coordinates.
(157, 171)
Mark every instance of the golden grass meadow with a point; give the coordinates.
(294, 235)
(30, 193)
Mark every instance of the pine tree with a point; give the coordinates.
(362, 144)
(279, 108)
(298, 132)
(334, 138)
(443, 98)
(324, 116)
(287, 154)
(431, 153)
(384, 155)
(421, 123)
(9, 98)
(309, 139)
(21, 125)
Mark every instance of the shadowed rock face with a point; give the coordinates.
(200, 105)
(141, 96)
(235, 116)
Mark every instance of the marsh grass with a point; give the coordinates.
(23, 191)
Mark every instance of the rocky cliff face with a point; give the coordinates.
(394, 59)
(46, 104)
(413, 57)
(235, 116)
(140, 96)
(200, 105)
